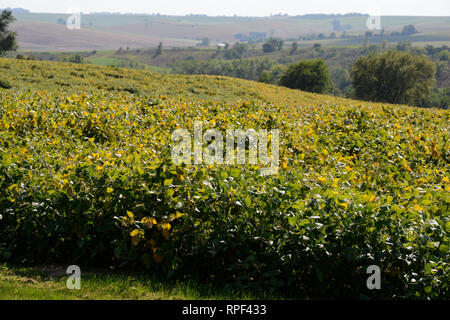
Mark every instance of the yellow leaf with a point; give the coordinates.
(179, 215)
(134, 233)
(109, 190)
(149, 221)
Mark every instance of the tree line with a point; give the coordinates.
(392, 76)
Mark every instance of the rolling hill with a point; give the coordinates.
(42, 32)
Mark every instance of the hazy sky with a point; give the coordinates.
(239, 7)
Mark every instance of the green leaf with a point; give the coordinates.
(248, 201)
(235, 173)
(427, 268)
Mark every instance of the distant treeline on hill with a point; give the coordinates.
(328, 16)
(16, 10)
(304, 16)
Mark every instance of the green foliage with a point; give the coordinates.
(265, 77)
(5, 84)
(440, 97)
(395, 77)
(75, 58)
(158, 51)
(7, 37)
(294, 47)
(409, 29)
(444, 55)
(205, 41)
(404, 46)
(307, 75)
(341, 78)
(250, 69)
(86, 176)
(236, 52)
(273, 44)
(129, 64)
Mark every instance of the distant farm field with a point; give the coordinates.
(47, 32)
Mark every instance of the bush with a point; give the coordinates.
(5, 84)
(265, 76)
(393, 76)
(236, 52)
(307, 75)
(409, 29)
(273, 44)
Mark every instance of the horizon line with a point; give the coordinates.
(221, 16)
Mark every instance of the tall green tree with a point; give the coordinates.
(273, 44)
(307, 75)
(294, 47)
(205, 41)
(409, 29)
(393, 76)
(7, 37)
(158, 50)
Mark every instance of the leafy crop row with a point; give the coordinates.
(88, 178)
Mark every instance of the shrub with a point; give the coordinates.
(307, 75)
(273, 44)
(5, 84)
(393, 76)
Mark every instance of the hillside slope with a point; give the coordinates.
(71, 78)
